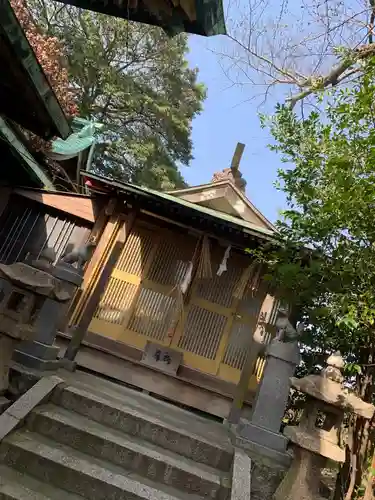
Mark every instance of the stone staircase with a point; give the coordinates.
(96, 440)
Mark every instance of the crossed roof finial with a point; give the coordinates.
(233, 173)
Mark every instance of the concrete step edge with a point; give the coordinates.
(116, 437)
(223, 453)
(135, 410)
(17, 486)
(115, 389)
(79, 473)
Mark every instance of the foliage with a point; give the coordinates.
(136, 81)
(330, 194)
(297, 49)
(49, 55)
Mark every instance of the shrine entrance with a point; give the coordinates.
(208, 325)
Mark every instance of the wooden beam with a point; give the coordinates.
(78, 206)
(188, 6)
(237, 156)
(118, 231)
(160, 8)
(98, 257)
(96, 234)
(192, 230)
(241, 389)
(103, 233)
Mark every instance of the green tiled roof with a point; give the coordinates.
(240, 224)
(82, 138)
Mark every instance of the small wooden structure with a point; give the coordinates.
(32, 220)
(182, 298)
(171, 298)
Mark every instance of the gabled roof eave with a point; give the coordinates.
(223, 184)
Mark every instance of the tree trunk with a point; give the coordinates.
(355, 474)
(369, 491)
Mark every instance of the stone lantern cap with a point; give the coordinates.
(327, 387)
(325, 407)
(36, 280)
(28, 277)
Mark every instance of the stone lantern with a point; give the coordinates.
(41, 353)
(24, 291)
(315, 439)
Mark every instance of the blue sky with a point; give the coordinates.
(229, 116)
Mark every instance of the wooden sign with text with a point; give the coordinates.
(162, 358)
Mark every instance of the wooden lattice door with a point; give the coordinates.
(139, 303)
(208, 317)
(218, 328)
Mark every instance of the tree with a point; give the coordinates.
(136, 81)
(298, 48)
(325, 265)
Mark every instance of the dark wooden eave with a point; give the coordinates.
(172, 208)
(199, 17)
(26, 96)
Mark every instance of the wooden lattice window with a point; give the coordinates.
(203, 332)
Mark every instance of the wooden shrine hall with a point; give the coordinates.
(172, 300)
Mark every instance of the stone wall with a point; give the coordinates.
(264, 480)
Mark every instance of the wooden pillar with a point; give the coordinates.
(109, 249)
(101, 233)
(243, 384)
(96, 233)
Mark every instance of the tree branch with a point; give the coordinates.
(336, 75)
(372, 21)
(270, 63)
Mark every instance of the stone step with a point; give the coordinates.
(15, 485)
(78, 473)
(130, 452)
(189, 439)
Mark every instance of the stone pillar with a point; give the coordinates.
(262, 433)
(41, 353)
(315, 439)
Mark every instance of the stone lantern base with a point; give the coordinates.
(302, 480)
(37, 355)
(7, 345)
(271, 445)
(40, 353)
